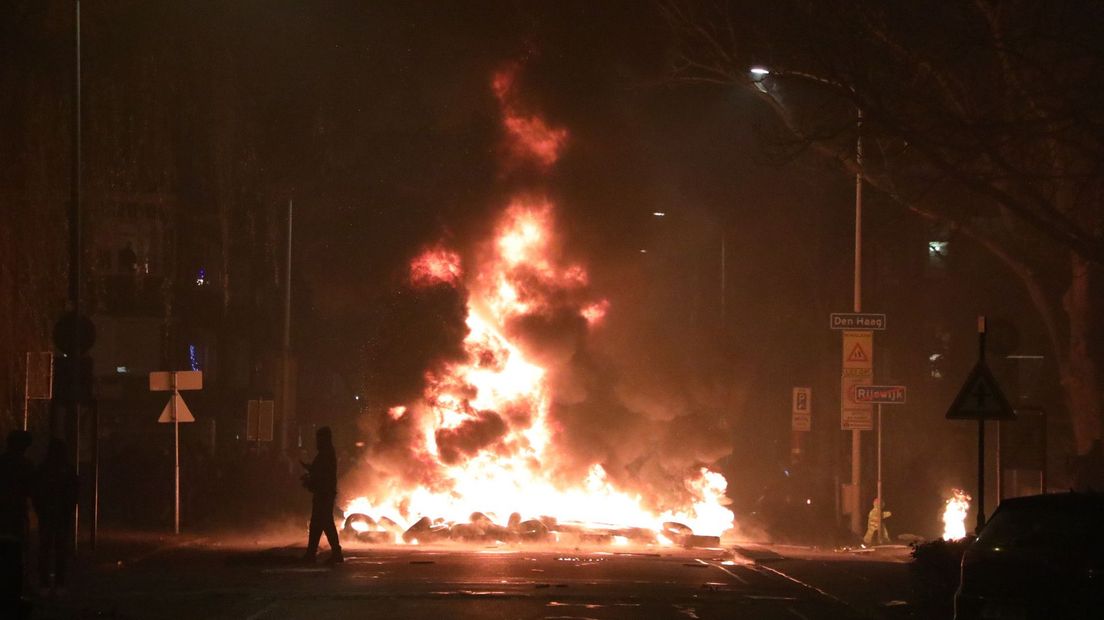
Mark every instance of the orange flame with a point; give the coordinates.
(436, 265)
(954, 515)
(482, 428)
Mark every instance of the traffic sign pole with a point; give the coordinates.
(176, 457)
(175, 412)
(881, 395)
(881, 499)
(981, 436)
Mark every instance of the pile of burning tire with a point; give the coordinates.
(482, 529)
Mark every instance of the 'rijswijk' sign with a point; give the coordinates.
(880, 394)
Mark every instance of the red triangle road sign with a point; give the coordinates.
(980, 398)
(857, 354)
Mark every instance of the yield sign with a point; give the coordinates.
(980, 398)
(182, 413)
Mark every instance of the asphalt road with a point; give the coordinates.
(208, 580)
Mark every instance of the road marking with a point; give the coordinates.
(262, 611)
(726, 571)
(805, 585)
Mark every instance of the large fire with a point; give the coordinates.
(482, 429)
(954, 515)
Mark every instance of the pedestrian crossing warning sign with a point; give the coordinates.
(858, 369)
(980, 398)
(858, 349)
(857, 354)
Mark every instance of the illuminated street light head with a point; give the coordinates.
(758, 74)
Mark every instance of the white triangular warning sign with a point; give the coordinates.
(182, 412)
(980, 398)
(857, 354)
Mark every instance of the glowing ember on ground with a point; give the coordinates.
(954, 515)
(486, 462)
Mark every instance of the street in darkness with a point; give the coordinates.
(202, 579)
(516, 308)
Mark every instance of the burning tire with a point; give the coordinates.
(533, 530)
(424, 531)
(357, 523)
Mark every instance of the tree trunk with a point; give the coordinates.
(1078, 370)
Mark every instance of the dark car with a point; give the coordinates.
(1038, 557)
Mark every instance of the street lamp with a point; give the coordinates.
(759, 73)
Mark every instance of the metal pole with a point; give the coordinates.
(981, 437)
(26, 389)
(76, 469)
(1043, 474)
(856, 435)
(176, 454)
(285, 422)
(881, 498)
(75, 250)
(1000, 466)
(95, 474)
(981, 477)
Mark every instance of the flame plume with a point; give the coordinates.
(481, 439)
(954, 515)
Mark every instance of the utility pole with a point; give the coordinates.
(286, 392)
(75, 253)
(981, 437)
(856, 435)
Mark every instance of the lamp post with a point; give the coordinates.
(759, 73)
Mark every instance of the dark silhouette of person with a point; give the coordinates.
(54, 497)
(321, 480)
(16, 471)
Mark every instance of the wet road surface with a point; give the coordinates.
(401, 582)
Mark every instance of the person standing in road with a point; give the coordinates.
(54, 498)
(16, 471)
(876, 532)
(321, 480)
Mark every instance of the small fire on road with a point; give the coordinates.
(954, 515)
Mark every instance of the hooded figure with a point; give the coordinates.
(16, 471)
(15, 482)
(321, 480)
(54, 498)
(875, 524)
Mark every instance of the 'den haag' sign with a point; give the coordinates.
(857, 320)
